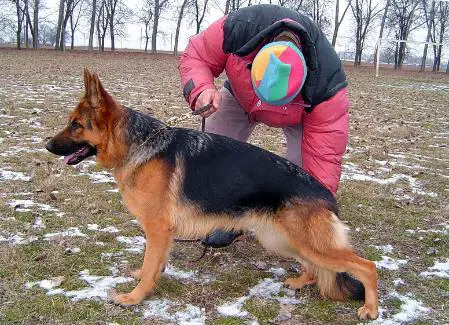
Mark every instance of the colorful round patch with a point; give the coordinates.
(278, 73)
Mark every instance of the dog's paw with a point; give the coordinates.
(127, 299)
(366, 313)
(137, 274)
(298, 283)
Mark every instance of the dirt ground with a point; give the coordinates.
(66, 238)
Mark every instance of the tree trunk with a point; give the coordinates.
(36, 25)
(19, 25)
(155, 25)
(228, 2)
(430, 22)
(178, 26)
(27, 23)
(60, 20)
(382, 26)
(72, 33)
(447, 66)
(92, 25)
(111, 31)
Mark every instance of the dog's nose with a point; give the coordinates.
(49, 146)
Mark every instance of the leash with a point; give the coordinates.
(200, 110)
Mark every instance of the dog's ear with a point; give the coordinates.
(94, 89)
(86, 81)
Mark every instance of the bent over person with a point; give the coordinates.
(282, 72)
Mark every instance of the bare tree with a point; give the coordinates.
(382, 27)
(36, 24)
(159, 5)
(200, 12)
(146, 17)
(429, 14)
(182, 9)
(338, 20)
(440, 30)
(364, 12)
(27, 23)
(67, 14)
(60, 20)
(92, 24)
(403, 18)
(102, 25)
(77, 10)
(20, 17)
(47, 34)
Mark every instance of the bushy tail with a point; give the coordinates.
(339, 286)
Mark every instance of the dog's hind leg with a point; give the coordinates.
(159, 241)
(319, 238)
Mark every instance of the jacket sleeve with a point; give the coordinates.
(325, 136)
(202, 60)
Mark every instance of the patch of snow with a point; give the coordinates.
(277, 271)
(6, 175)
(95, 227)
(25, 205)
(46, 284)
(160, 308)
(353, 172)
(385, 249)
(70, 232)
(189, 276)
(398, 282)
(389, 263)
(115, 190)
(234, 308)
(266, 289)
(17, 239)
(410, 310)
(135, 244)
(99, 177)
(38, 223)
(439, 269)
(99, 243)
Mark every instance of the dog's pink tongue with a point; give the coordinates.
(67, 158)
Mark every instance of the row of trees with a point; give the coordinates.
(394, 19)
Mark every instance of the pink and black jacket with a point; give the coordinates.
(231, 43)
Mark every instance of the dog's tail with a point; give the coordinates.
(339, 285)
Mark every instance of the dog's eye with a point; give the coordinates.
(75, 125)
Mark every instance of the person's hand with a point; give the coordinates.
(208, 96)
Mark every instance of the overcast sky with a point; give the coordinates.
(168, 25)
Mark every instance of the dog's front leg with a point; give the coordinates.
(159, 241)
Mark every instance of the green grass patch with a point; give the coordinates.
(265, 311)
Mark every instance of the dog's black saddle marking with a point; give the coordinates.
(223, 175)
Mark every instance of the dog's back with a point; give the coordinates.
(227, 176)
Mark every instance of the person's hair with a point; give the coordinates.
(287, 36)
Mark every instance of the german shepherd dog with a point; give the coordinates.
(185, 183)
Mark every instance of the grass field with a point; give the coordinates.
(66, 239)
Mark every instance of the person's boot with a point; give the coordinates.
(220, 238)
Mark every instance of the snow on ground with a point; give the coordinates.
(26, 205)
(389, 263)
(388, 249)
(6, 175)
(99, 177)
(160, 308)
(410, 310)
(439, 269)
(353, 172)
(95, 227)
(187, 276)
(269, 289)
(18, 239)
(70, 232)
(134, 244)
(98, 286)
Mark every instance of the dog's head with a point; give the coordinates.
(89, 124)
